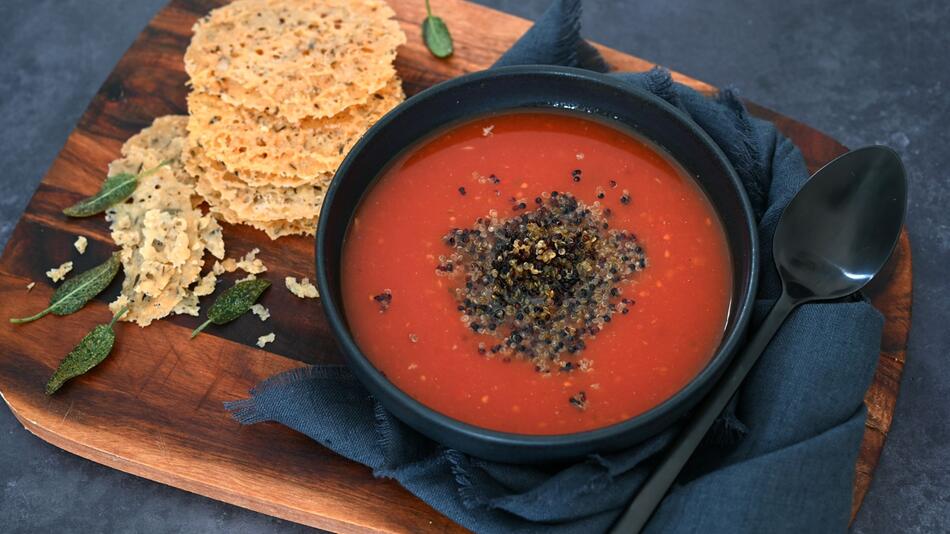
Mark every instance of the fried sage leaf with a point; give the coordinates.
(78, 290)
(436, 35)
(114, 190)
(234, 302)
(88, 353)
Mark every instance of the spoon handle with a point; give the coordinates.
(703, 416)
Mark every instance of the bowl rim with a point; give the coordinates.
(364, 368)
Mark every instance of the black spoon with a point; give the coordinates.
(832, 239)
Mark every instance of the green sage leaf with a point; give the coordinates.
(78, 290)
(114, 190)
(234, 302)
(90, 352)
(436, 35)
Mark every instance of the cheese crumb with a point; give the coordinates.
(260, 311)
(303, 289)
(250, 264)
(486, 131)
(29, 287)
(263, 340)
(246, 278)
(206, 285)
(226, 266)
(81, 243)
(60, 272)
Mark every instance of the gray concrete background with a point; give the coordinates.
(866, 72)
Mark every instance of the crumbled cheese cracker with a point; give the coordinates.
(29, 287)
(60, 272)
(81, 243)
(303, 289)
(263, 340)
(260, 311)
(161, 232)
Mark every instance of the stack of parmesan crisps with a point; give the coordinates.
(281, 90)
(160, 230)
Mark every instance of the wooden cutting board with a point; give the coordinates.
(154, 408)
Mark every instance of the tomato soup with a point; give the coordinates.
(510, 344)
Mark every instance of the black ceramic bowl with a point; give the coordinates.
(519, 88)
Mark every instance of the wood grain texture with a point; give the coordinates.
(154, 408)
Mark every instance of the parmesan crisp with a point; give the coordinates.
(281, 91)
(256, 145)
(161, 233)
(295, 58)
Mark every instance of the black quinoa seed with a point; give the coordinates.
(541, 281)
(579, 400)
(384, 299)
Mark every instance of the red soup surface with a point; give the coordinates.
(404, 313)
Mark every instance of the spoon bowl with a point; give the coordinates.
(838, 231)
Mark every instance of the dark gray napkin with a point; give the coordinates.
(781, 460)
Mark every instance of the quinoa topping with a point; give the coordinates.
(579, 400)
(384, 299)
(540, 282)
